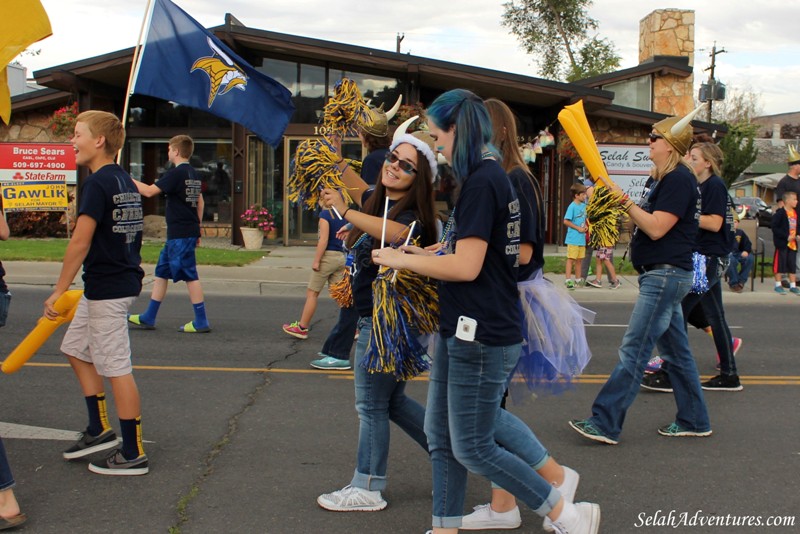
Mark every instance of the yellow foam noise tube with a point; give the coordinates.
(65, 306)
(573, 119)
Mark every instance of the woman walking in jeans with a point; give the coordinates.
(479, 333)
(406, 181)
(661, 251)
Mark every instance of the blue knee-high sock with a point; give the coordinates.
(200, 320)
(149, 316)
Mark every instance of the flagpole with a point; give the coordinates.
(148, 12)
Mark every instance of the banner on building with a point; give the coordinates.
(628, 166)
(34, 176)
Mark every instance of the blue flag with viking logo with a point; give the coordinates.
(182, 62)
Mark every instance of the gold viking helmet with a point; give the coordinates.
(380, 119)
(794, 156)
(678, 132)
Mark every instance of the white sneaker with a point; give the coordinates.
(484, 518)
(585, 519)
(567, 490)
(352, 499)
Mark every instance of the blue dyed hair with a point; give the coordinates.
(473, 131)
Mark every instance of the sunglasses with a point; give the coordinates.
(654, 137)
(406, 167)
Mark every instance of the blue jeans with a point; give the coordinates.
(711, 301)
(340, 340)
(657, 318)
(6, 478)
(739, 269)
(379, 399)
(467, 381)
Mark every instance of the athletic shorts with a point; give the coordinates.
(575, 252)
(331, 267)
(604, 253)
(98, 334)
(785, 261)
(177, 260)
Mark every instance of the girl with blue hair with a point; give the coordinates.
(479, 333)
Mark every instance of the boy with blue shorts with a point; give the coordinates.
(177, 261)
(107, 240)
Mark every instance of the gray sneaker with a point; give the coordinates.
(117, 464)
(88, 444)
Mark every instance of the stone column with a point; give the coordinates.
(669, 32)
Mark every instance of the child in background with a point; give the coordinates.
(326, 267)
(784, 236)
(575, 221)
(604, 256)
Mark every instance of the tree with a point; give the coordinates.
(739, 149)
(557, 33)
(739, 106)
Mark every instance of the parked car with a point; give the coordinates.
(757, 209)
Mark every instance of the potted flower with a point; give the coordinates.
(62, 123)
(256, 220)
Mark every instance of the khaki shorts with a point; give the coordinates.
(98, 334)
(330, 270)
(575, 252)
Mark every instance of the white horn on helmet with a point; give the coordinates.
(401, 130)
(392, 112)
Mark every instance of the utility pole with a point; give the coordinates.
(711, 81)
(400, 40)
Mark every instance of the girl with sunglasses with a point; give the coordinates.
(407, 181)
(479, 334)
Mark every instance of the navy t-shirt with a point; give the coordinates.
(675, 193)
(183, 188)
(531, 223)
(334, 225)
(487, 208)
(715, 201)
(372, 165)
(112, 268)
(365, 270)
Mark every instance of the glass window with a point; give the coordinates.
(380, 89)
(156, 113)
(283, 72)
(635, 93)
(310, 97)
(212, 162)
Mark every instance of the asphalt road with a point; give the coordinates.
(242, 435)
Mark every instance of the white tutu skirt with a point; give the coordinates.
(554, 346)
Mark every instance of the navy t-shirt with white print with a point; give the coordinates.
(715, 201)
(112, 268)
(487, 208)
(183, 188)
(675, 193)
(531, 221)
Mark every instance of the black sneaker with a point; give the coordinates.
(89, 444)
(658, 381)
(723, 383)
(117, 464)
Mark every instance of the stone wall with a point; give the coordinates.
(31, 127)
(669, 32)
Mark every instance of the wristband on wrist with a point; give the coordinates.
(345, 213)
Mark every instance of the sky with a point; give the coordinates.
(759, 38)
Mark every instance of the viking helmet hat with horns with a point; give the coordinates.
(380, 119)
(421, 140)
(678, 132)
(794, 156)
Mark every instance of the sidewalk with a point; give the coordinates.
(284, 271)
